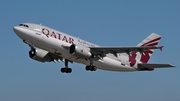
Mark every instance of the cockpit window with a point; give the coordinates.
(23, 25)
(20, 24)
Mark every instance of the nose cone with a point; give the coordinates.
(19, 31)
(16, 29)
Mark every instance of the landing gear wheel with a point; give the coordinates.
(87, 68)
(94, 68)
(91, 68)
(66, 70)
(69, 70)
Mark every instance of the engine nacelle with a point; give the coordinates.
(39, 55)
(79, 51)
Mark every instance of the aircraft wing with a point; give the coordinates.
(114, 50)
(140, 65)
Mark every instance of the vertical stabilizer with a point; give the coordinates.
(151, 40)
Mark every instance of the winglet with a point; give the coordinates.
(161, 47)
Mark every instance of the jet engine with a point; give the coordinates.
(39, 55)
(79, 51)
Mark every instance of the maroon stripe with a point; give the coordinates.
(151, 41)
(152, 44)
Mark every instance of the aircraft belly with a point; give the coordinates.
(110, 64)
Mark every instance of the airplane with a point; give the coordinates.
(49, 45)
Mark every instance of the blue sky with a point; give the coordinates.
(103, 22)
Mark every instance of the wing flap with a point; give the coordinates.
(155, 65)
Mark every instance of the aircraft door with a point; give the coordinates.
(38, 29)
(38, 33)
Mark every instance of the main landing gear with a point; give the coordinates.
(91, 67)
(66, 69)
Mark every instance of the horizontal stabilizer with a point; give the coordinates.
(155, 65)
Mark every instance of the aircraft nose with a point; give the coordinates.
(16, 29)
(19, 31)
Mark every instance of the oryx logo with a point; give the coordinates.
(145, 56)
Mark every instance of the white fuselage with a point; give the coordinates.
(53, 41)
